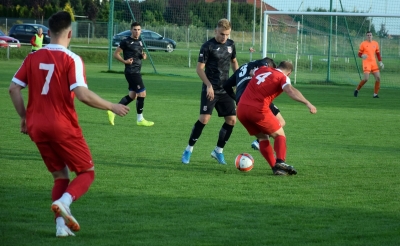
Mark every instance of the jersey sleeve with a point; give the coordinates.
(21, 76)
(285, 80)
(203, 54)
(233, 56)
(76, 73)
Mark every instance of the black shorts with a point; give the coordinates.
(135, 82)
(223, 103)
(275, 110)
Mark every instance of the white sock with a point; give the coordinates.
(139, 117)
(219, 150)
(66, 199)
(60, 221)
(189, 148)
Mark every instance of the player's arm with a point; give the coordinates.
(33, 40)
(91, 99)
(228, 86)
(144, 55)
(202, 74)
(378, 55)
(18, 101)
(297, 96)
(234, 64)
(117, 55)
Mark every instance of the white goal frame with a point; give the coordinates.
(265, 29)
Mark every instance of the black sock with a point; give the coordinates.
(196, 132)
(126, 100)
(139, 105)
(224, 135)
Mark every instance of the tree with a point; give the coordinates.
(383, 33)
(70, 10)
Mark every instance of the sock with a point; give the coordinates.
(189, 148)
(66, 199)
(80, 185)
(377, 86)
(126, 100)
(196, 132)
(139, 117)
(59, 187)
(267, 152)
(139, 105)
(60, 221)
(280, 147)
(361, 84)
(219, 149)
(224, 135)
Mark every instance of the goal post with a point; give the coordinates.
(307, 38)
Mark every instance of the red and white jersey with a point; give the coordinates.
(51, 74)
(266, 84)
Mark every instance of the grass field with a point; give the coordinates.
(346, 191)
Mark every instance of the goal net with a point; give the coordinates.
(323, 46)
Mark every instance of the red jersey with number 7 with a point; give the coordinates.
(266, 84)
(51, 74)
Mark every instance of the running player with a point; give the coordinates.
(216, 56)
(368, 49)
(132, 48)
(254, 113)
(55, 75)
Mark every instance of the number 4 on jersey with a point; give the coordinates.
(261, 77)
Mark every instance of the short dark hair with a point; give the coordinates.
(270, 62)
(59, 22)
(287, 65)
(368, 32)
(135, 24)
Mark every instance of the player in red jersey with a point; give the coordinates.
(368, 49)
(54, 76)
(254, 113)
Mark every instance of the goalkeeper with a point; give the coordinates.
(368, 49)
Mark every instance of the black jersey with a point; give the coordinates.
(132, 48)
(217, 58)
(241, 78)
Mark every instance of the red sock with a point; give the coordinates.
(377, 86)
(361, 84)
(80, 185)
(280, 147)
(267, 152)
(60, 186)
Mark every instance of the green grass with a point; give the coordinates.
(346, 191)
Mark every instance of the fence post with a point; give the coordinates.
(88, 33)
(8, 52)
(190, 57)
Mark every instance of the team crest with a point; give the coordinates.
(229, 49)
(204, 108)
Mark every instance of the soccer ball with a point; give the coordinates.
(244, 162)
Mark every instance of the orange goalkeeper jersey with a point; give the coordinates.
(369, 49)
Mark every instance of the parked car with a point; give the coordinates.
(153, 40)
(24, 32)
(6, 41)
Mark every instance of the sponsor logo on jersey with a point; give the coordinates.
(229, 49)
(140, 42)
(201, 55)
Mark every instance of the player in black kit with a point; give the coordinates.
(216, 56)
(132, 48)
(241, 78)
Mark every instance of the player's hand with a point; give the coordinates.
(24, 128)
(312, 108)
(128, 61)
(210, 93)
(381, 65)
(120, 109)
(251, 49)
(364, 56)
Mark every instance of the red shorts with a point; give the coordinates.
(256, 120)
(370, 67)
(73, 153)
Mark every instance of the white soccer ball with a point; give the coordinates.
(244, 162)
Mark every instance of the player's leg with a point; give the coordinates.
(140, 90)
(226, 108)
(206, 108)
(367, 70)
(280, 152)
(377, 86)
(76, 155)
(55, 165)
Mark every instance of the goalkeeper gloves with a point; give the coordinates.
(381, 65)
(364, 56)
